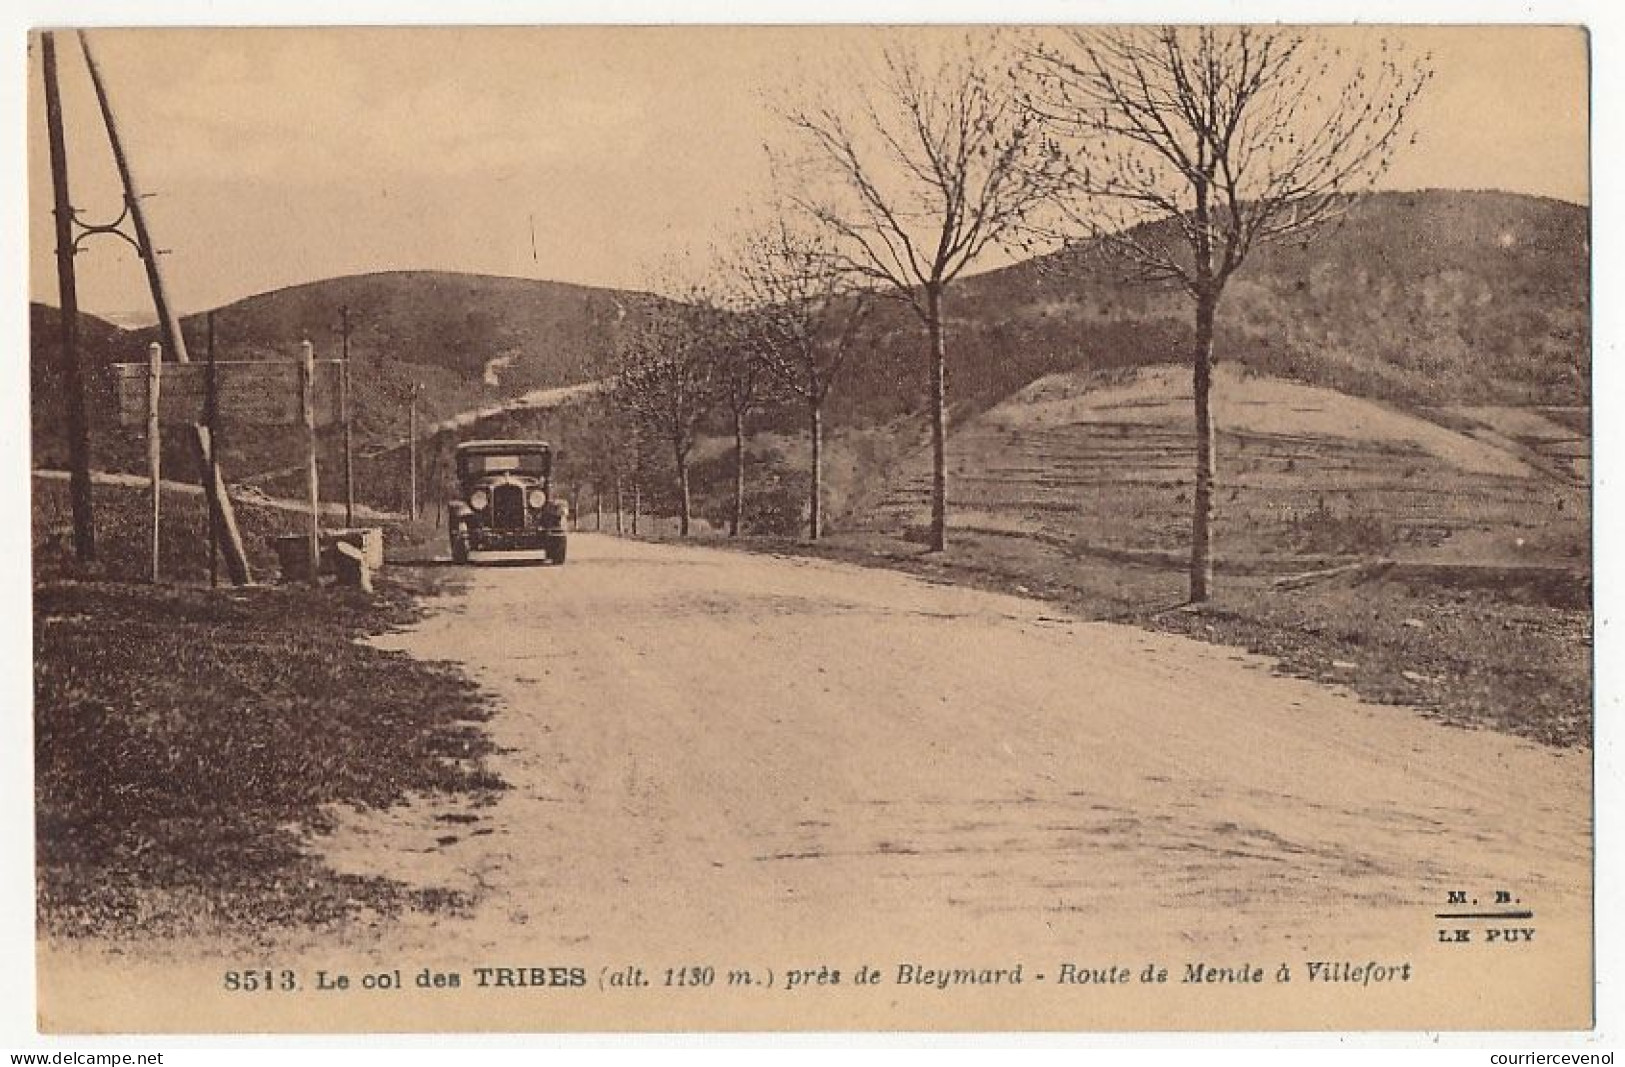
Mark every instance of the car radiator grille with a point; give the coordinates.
(508, 507)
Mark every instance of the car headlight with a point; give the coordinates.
(536, 498)
(478, 499)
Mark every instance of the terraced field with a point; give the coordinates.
(1103, 465)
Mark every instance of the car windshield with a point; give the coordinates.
(514, 462)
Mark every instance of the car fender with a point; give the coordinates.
(553, 514)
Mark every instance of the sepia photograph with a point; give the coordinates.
(811, 528)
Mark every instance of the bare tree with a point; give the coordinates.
(604, 451)
(805, 320)
(668, 381)
(743, 383)
(936, 167)
(1189, 147)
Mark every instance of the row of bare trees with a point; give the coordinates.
(776, 328)
(1178, 149)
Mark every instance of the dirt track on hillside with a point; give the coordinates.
(770, 764)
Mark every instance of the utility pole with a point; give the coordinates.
(79, 488)
(211, 408)
(169, 325)
(412, 450)
(344, 414)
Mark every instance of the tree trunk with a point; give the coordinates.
(1202, 497)
(939, 421)
(815, 503)
(736, 521)
(684, 505)
(620, 507)
(597, 509)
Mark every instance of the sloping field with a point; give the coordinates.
(1556, 440)
(1104, 463)
(1261, 407)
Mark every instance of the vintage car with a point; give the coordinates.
(505, 510)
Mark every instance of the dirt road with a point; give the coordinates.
(773, 765)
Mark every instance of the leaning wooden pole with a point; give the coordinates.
(79, 491)
(169, 327)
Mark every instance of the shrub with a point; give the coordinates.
(775, 493)
(1324, 530)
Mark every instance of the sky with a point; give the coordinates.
(280, 156)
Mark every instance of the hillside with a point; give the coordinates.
(1479, 296)
(471, 341)
(100, 344)
(1463, 298)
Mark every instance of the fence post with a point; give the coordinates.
(155, 452)
(307, 389)
(344, 409)
(412, 453)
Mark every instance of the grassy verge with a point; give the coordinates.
(187, 741)
(123, 534)
(1469, 657)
